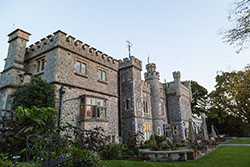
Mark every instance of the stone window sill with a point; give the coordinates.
(104, 82)
(81, 74)
(39, 73)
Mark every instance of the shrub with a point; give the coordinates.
(4, 162)
(165, 146)
(35, 120)
(116, 152)
(27, 121)
(83, 158)
(178, 145)
(36, 93)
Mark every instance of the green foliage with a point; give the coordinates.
(230, 102)
(35, 120)
(158, 139)
(165, 146)
(92, 140)
(199, 98)
(116, 152)
(37, 93)
(27, 121)
(239, 34)
(178, 145)
(83, 158)
(4, 162)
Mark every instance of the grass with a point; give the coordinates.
(239, 141)
(225, 156)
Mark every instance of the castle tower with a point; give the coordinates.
(130, 96)
(152, 77)
(13, 71)
(179, 102)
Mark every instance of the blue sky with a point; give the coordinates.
(178, 35)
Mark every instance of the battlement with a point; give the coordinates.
(130, 61)
(59, 38)
(177, 74)
(151, 72)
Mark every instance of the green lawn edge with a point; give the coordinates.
(224, 156)
(239, 141)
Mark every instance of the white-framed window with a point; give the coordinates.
(102, 75)
(40, 64)
(81, 67)
(93, 107)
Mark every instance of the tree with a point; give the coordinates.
(230, 102)
(199, 98)
(37, 93)
(239, 33)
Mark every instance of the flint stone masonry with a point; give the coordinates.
(127, 95)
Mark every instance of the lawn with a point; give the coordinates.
(239, 141)
(225, 156)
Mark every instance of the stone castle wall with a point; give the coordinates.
(61, 52)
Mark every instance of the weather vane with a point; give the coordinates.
(129, 47)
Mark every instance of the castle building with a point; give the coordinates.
(100, 90)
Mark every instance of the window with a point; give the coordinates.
(147, 131)
(102, 75)
(113, 139)
(127, 105)
(80, 67)
(93, 107)
(159, 131)
(40, 65)
(145, 106)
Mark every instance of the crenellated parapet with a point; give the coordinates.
(130, 61)
(151, 72)
(71, 44)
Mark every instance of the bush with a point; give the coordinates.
(116, 152)
(165, 146)
(83, 158)
(27, 121)
(178, 145)
(35, 120)
(36, 93)
(4, 162)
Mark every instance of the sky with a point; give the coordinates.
(177, 35)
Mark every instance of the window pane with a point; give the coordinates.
(99, 102)
(82, 111)
(78, 66)
(104, 75)
(93, 111)
(93, 101)
(38, 66)
(88, 100)
(88, 111)
(83, 68)
(100, 75)
(98, 111)
(102, 112)
(43, 63)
